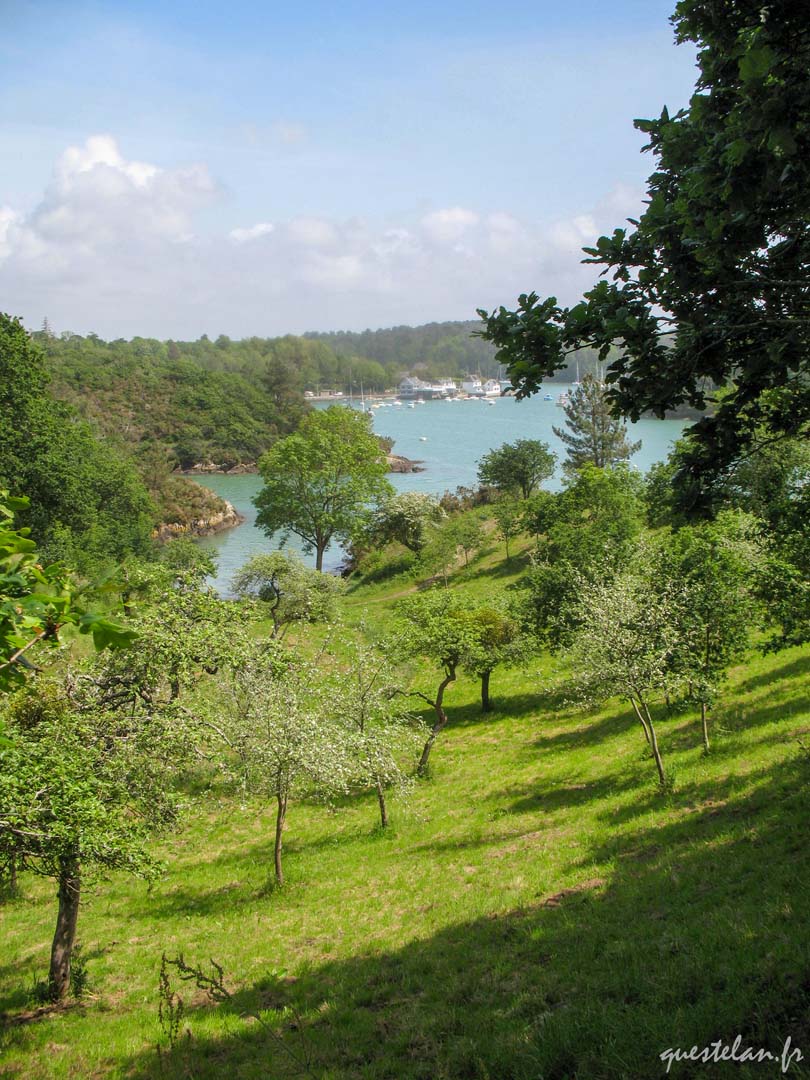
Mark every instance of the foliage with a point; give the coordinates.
(37, 600)
(710, 573)
(291, 591)
(83, 785)
(281, 739)
(508, 515)
(625, 640)
(321, 482)
(773, 485)
(709, 288)
(406, 519)
(518, 467)
(178, 403)
(87, 505)
(385, 736)
(595, 436)
(588, 530)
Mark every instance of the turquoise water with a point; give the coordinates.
(449, 437)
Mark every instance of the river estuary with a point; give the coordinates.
(449, 437)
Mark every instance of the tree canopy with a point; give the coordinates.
(519, 467)
(595, 436)
(707, 297)
(321, 483)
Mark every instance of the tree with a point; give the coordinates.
(321, 482)
(508, 514)
(431, 627)
(84, 784)
(710, 573)
(406, 518)
(496, 638)
(595, 436)
(517, 467)
(624, 642)
(275, 719)
(709, 286)
(465, 531)
(385, 734)
(291, 591)
(87, 505)
(587, 531)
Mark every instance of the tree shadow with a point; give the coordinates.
(791, 669)
(694, 934)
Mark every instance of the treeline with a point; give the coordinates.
(197, 401)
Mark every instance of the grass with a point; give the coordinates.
(537, 912)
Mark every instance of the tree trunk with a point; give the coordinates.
(280, 815)
(383, 807)
(11, 878)
(320, 548)
(659, 764)
(705, 725)
(65, 936)
(641, 720)
(486, 702)
(439, 724)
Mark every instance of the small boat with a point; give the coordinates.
(423, 438)
(411, 405)
(547, 397)
(562, 400)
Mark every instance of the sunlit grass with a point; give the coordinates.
(449, 946)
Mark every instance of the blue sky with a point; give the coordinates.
(268, 167)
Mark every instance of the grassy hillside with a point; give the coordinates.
(538, 910)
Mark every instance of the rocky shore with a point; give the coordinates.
(399, 464)
(396, 464)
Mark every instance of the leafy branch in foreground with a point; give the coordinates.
(37, 601)
(709, 287)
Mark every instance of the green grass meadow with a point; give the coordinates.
(537, 911)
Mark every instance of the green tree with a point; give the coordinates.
(386, 736)
(87, 504)
(587, 531)
(275, 721)
(708, 289)
(321, 483)
(496, 638)
(595, 437)
(84, 785)
(508, 514)
(625, 637)
(406, 518)
(520, 467)
(291, 591)
(710, 571)
(435, 625)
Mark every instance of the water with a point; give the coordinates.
(449, 437)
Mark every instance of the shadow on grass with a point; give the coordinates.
(697, 934)
(791, 669)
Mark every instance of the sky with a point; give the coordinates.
(262, 168)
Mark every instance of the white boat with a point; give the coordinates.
(423, 438)
(563, 400)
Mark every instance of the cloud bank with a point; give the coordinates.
(118, 247)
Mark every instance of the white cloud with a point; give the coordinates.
(312, 232)
(447, 226)
(261, 228)
(114, 246)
